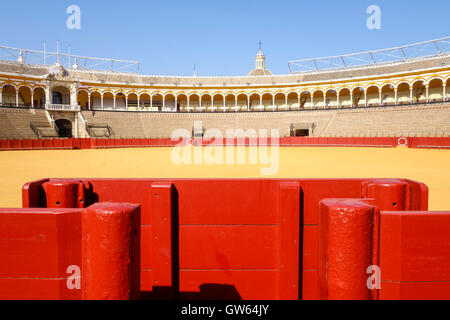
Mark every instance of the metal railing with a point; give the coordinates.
(416, 51)
(62, 107)
(37, 57)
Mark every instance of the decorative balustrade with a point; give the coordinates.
(63, 107)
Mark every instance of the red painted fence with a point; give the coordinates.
(88, 143)
(225, 239)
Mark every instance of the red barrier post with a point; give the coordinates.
(62, 193)
(111, 252)
(390, 194)
(348, 246)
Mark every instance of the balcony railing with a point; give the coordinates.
(63, 107)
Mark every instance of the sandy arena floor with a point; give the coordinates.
(429, 166)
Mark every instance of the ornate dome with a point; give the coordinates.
(260, 65)
(260, 72)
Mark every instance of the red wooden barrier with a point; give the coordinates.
(232, 239)
(415, 255)
(42, 253)
(88, 143)
(234, 232)
(37, 248)
(5, 144)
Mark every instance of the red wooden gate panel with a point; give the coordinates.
(250, 239)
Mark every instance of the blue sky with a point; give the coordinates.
(221, 37)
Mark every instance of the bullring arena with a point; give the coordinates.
(353, 132)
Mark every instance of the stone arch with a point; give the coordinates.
(435, 90)
(169, 102)
(206, 100)
(108, 100)
(96, 100)
(255, 101)
(60, 95)
(318, 98)
(403, 92)
(242, 101)
(157, 101)
(182, 102)
(218, 101)
(25, 96)
(230, 101)
(331, 98)
(388, 94)
(292, 100)
(133, 103)
(305, 100)
(83, 99)
(345, 100)
(373, 95)
(419, 91)
(39, 97)
(280, 100)
(267, 101)
(194, 101)
(9, 95)
(64, 128)
(144, 98)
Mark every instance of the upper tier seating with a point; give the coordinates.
(417, 120)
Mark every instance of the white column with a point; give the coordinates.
(410, 94)
(126, 102)
(338, 99)
(351, 98)
(427, 93)
(114, 107)
(32, 99)
(89, 101)
(312, 101)
(151, 102)
(1, 96)
(139, 103)
(299, 101)
(273, 103)
(188, 104)
(260, 102)
(286, 103)
(164, 104)
(365, 98)
(380, 97)
(47, 95)
(17, 97)
(76, 127)
(212, 103)
(396, 96)
(248, 103)
(101, 101)
(444, 92)
(224, 103)
(235, 103)
(73, 95)
(325, 100)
